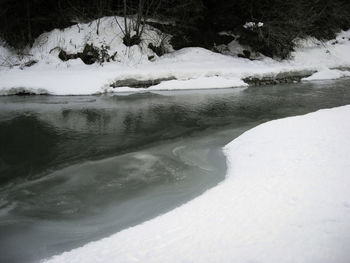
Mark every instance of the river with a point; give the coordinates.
(78, 168)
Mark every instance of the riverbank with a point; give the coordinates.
(285, 199)
(138, 68)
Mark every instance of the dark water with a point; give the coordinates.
(76, 169)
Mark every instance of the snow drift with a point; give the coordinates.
(328, 74)
(285, 199)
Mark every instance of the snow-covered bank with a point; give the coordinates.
(328, 74)
(188, 66)
(285, 199)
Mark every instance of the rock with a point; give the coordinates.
(90, 54)
(135, 83)
(28, 64)
(246, 54)
(159, 50)
(65, 57)
(283, 77)
(151, 58)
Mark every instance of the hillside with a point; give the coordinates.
(41, 69)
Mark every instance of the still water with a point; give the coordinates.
(77, 169)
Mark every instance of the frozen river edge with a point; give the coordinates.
(285, 199)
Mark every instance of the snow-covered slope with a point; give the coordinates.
(285, 199)
(333, 53)
(104, 32)
(7, 57)
(53, 76)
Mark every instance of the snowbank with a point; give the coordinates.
(285, 199)
(331, 54)
(105, 32)
(191, 84)
(190, 64)
(6, 55)
(328, 74)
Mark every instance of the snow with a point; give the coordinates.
(6, 55)
(251, 25)
(227, 33)
(200, 83)
(192, 84)
(189, 66)
(285, 199)
(331, 54)
(328, 74)
(73, 39)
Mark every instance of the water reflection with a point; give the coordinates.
(27, 144)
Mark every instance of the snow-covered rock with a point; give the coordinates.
(285, 199)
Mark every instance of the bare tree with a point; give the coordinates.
(135, 19)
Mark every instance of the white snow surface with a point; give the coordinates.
(6, 55)
(328, 74)
(190, 65)
(249, 25)
(198, 83)
(331, 54)
(285, 199)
